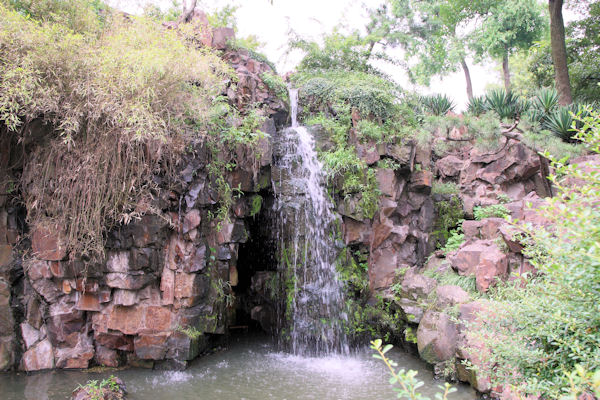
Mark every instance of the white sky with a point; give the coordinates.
(271, 22)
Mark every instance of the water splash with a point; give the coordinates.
(316, 306)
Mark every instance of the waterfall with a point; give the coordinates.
(315, 304)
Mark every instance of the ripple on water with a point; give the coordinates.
(345, 368)
(170, 377)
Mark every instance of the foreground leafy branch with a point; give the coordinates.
(405, 380)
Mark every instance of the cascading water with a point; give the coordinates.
(315, 302)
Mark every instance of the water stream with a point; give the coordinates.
(317, 308)
(250, 370)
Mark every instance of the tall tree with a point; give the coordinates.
(559, 52)
(506, 27)
(430, 31)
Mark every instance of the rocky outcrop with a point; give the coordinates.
(167, 282)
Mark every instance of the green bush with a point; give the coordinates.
(455, 240)
(546, 325)
(118, 107)
(371, 95)
(276, 84)
(492, 211)
(449, 214)
(445, 188)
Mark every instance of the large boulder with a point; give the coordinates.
(437, 337)
(415, 290)
(40, 356)
(482, 258)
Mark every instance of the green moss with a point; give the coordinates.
(255, 204)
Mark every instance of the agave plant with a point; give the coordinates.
(564, 121)
(546, 100)
(535, 115)
(476, 106)
(504, 104)
(560, 123)
(437, 104)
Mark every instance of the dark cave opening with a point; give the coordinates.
(255, 292)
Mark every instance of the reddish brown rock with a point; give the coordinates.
(150, 347)
(492, 265)
(221, 37)
(186, 285)
(118, 261)
(30, 335)
(128, 320)
(76, 356)
(124, 297)
(472, 348)
(382, 229)
(437, 337)
(6, 318)
(7, 352)
(191, 220)
(450, 295)
(368, 153)
(415, 290)
(382, 268)
(88, 302)
(106, 357)
(167, 285)
(158, 319)
(39, 357)
(386, 180)
(466, 259)
(115, 341)
(6, 256)
(356, 232)
(47, 244)
(128, 281)
(449, 166)
(38, 269)
(421, 180)
(487, 228)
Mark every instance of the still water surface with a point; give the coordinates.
(250, 369)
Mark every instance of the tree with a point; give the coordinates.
(430, 32)
(559, 52)
(507, 26)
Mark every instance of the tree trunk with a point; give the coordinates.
(465, 68)
(559, 52)
(187, 13)
(506, 72)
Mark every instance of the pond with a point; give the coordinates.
(251, 369)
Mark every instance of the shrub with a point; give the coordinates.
(444, 188)
(547, 325)
(276, 84)
(492, 211)
(449, 214)
(371, 95)
(455, 240)
(437, 104)
(118, 108)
